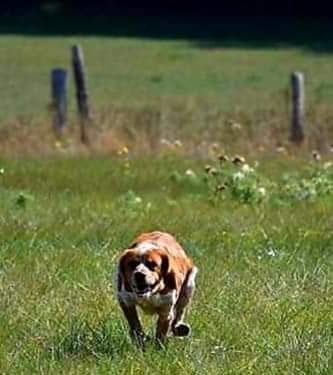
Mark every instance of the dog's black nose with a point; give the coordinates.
(139, 278)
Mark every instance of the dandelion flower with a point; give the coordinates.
(58, 144)
(328, 165)
(177, 143)
(223, 158)
(271, 253)
(190, 173)
(164, 141)
(210, 170)
(281, 149)
(214, 146)
(261, 191)
(221, 187)
(213, 171)
(208, 167)
(316, 155)
(236, 126)
(123, 151)
(237, 159)
(247, 169)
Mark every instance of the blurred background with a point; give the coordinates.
(208, 73)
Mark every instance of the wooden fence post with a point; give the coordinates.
(81, 91)
(59, 100)
(298, 107)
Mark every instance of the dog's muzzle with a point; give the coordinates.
(141, 286)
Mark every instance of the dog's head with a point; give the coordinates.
(145, 272)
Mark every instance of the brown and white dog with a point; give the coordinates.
(156, 274)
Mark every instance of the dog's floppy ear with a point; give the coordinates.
(167, 272)
(122, 279)
(165, 266)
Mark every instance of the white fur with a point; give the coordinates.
(143, 247)
(149, 301)
(191, 278)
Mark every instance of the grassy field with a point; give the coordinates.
(237, 66)
(142, 72)
(187, 87)
(264, 297)
(164, 106)
(130, 71)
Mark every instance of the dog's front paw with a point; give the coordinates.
(139, 339)
(181, 330)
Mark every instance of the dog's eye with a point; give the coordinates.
(151, 264)
(133, 264)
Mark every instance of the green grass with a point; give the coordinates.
(263, 303)
(148, 87)
(153, 88)
(126, 71)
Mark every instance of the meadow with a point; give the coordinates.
(264, 296)
(259, 229)
(194, 84)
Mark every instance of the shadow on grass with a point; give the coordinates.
(203, 31)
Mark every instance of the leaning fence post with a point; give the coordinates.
(298, 107)
(81, 91)
(59, 99)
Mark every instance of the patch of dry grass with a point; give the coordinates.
(185, 127)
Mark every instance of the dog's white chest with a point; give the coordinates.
(157, 301)
(149, 302)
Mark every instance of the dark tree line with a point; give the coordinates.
(213, 7)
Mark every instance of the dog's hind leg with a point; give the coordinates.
(179, 328)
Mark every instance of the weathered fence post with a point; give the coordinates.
(59, 99)
(298, 107)
(81, 91)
